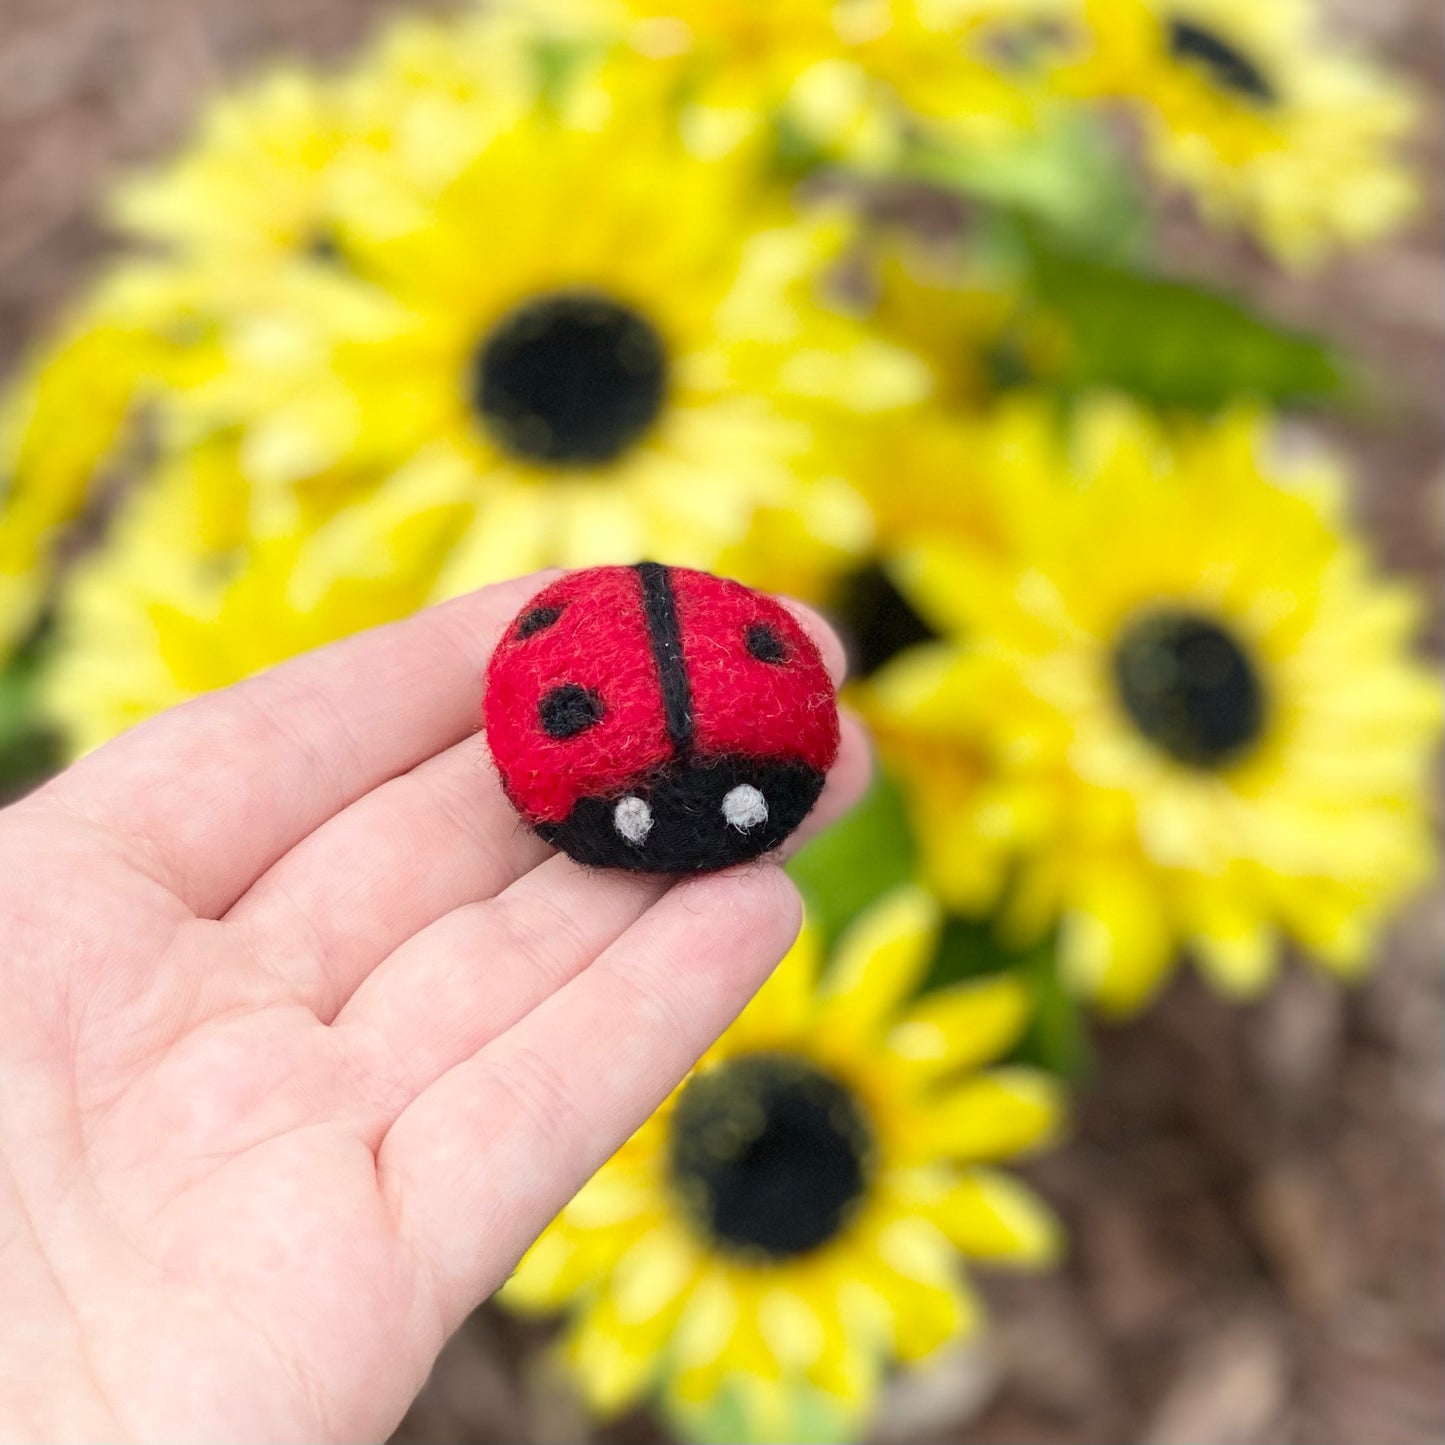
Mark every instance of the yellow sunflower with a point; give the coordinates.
(65, 424)
(1171, 703)
(60, 417)
(792, 1217)
(1267, 125)
(184, 597)
(855, 78)
(923, 469)
(249, 189)
(918, 474)
(256, 185)
(250, 198)
(609, 346)
(252, 182)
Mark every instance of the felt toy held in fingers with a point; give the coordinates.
(659, 719)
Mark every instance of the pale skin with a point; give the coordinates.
(304, 1040)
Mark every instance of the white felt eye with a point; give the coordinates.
(745, 807)
(633, 819)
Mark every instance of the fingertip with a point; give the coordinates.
(848, 780)
(523, 587)
(853, 770)
(827, 641)
(756, 889)
(542, 577)
(773, 892)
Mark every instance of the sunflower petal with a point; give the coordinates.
(879, 963)
(935, 1315)
(706, 1326)
(961, 1027)
(791, 1328)
(989, 1215)
(653, 1274)
(1240, 962)
(855, 1352)
(929, 1302)
(613, 1363)
(543, 1280)
(612, 1196)
(1115, 944)
(991, 1116)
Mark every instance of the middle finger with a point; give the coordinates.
(434, 839)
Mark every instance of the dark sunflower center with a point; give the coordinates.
(1229, 68)
(572, 379)
(878, 620)
(322, 245)
(769, 1155)
(1189, 687)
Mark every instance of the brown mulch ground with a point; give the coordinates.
(1255, 1196)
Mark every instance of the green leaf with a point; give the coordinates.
(557, 60)
(1069, 178)
(1172, 343)
(871, 852)
(856, 861)
(796, 154)
(1057, 1038)
(30, 750)
(969, 948)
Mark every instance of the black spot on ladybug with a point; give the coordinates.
(569, 710)
(534, 621)
(765, 644)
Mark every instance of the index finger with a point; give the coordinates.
(211, 793)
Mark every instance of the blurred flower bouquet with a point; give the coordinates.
(853, 300)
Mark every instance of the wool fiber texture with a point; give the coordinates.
(659, 719)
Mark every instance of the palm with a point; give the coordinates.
(304, 1040)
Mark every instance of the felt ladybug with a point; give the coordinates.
(659, 719)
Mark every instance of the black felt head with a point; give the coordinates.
(693, 817)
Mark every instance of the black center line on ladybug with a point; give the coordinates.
(664, 631)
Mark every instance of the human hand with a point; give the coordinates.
(304, 1039)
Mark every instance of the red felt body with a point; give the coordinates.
(740, 705)
(600, 641)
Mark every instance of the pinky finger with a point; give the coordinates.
(482, 1159)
